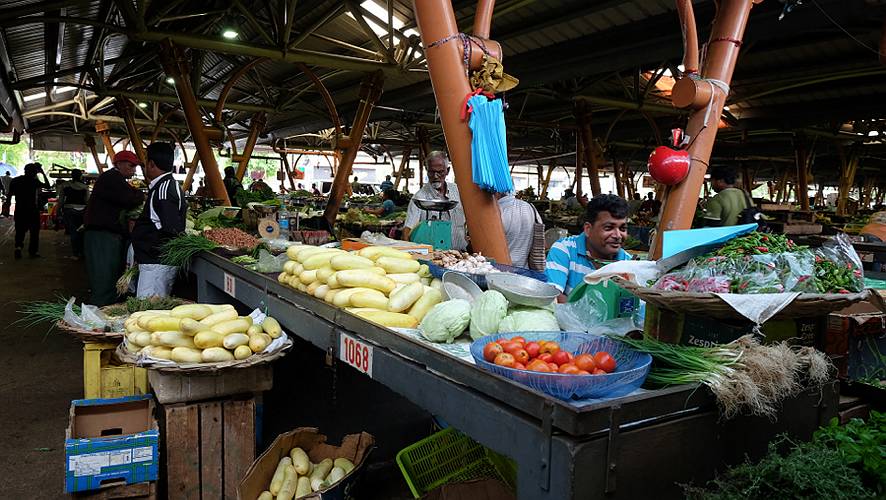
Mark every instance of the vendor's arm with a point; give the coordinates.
(413, 217)
(557, 268)
(713, 212)
(119, 192)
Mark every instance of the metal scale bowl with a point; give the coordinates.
(434, 231)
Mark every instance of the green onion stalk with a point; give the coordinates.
(43, 311)
(179, 251)
(744, 375)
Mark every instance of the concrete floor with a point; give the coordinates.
(41, 372)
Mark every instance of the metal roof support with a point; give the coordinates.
(583, 118)
(223, 95)
(358, 16)
(690, 36)
(332, 12)
(255, 127)
(370, 91)
(175, 65)
(404, 164)
(438, 28)
(707, 97)
(275, 54)
(124, 107)
(192, 169)
(203, 103)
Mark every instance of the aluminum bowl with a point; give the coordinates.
(459, 286)
(522, 290)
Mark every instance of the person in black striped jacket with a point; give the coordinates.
(162, 219)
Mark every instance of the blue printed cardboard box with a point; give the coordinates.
(110, 442)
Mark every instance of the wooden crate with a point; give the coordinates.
(208, 447)
(138, 491)
(104, 379)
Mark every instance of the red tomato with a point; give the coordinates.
(585, 362)
(505, 359)
(582, 372)
(598, 371)
(546, 357)
(521, 355)
(532, 348)
(538, 366)
(554, 367)
(551, 347)
(604, 361)
(561, 357)
(569, 369)
(518, 339)
(510, 347)
(519, 366)
(491, 350)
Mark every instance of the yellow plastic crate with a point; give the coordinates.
(103, 379)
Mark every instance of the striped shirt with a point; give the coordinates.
(569, 261)
(517, 218)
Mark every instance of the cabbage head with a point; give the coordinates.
(486, 313)
(529, 320)
(446, 320)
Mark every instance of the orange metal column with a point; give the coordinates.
(175, 65)
(444, 52)
(370, 91)
(255, 127)
(708, 99)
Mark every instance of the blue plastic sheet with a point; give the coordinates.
(489, 147)
(674, 242)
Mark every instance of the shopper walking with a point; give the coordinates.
(72, 198)
(5, 182)
(26, 190)
(107, 231)
(162, 219)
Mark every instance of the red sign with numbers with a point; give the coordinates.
(356, 353)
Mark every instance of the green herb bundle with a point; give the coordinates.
(43, 311)
(744, 375)
(179, 251)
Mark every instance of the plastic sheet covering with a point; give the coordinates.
(90, 318)
(489, 147)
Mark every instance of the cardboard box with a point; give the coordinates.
(406, 246)
(198, 386)
(354, 447)
(851, 334)
(477, 489)
(111, 441)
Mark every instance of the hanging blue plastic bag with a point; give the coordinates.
(489, 147)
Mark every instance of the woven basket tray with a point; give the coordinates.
(710, 305)
(256, 359)
(90, 335)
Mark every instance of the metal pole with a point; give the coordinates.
(256, 126)
(175, 65)
(439, 31)
(722, 53)
(370, 91)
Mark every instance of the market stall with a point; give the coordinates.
(562, 449)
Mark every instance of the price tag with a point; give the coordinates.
(230, 285)
(356, 353)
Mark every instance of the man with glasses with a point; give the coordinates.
(438, 189)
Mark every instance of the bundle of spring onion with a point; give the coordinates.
(125, 279)
(179, 251)
(43, 311)
(744, 375)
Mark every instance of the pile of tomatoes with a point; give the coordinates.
(546, 357)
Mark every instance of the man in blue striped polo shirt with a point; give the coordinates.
(599, 243)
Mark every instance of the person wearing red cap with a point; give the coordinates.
(107, 231)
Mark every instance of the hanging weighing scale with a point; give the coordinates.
(267, 223)
(433, 230)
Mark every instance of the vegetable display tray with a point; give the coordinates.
(630, 373)
(480, 279)
(450, 457)
(710, 305)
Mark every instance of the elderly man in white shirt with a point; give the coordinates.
(437, 188)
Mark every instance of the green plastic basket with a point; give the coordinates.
(451, 457)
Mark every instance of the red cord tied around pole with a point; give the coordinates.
(668, 165)
(466, 108)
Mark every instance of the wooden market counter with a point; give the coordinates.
(636, 446)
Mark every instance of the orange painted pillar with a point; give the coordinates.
(707, 98)
(444, 52)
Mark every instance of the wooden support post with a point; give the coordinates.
(579, 163)
(124, 107)
(582, 113)
(404, 164)
(849, 166)
(90, 143)
(802, 155)
(192, 169)
(370, 91)
(424, 147)
(104, 131)
(445, 58)
(176, 65)
(255, 127)
(721, 56)
(287, 169)
(544, 187)
(617, 167)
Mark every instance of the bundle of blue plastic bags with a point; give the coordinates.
(489, 147)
